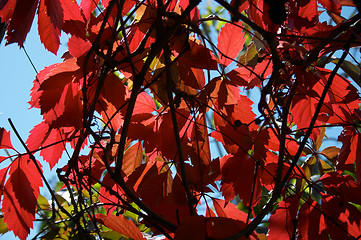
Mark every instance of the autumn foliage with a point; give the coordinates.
(186, 124)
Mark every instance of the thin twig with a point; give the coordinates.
(170, 86)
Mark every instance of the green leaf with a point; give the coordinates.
(43, 203)
(249, 58)
(111, 235)
(3, 226)
(350, 69)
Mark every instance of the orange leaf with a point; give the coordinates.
(132, 158)
(121, 225)
(350, 3)
(331, 153)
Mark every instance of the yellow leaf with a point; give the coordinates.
(324, 167)
(3, 226)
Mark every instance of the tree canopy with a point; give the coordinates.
(188, 120)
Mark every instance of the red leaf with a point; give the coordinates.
(339, 103)
(3, 174)
(69, 65)
(199, 227)
(193, 227)
(303, 111)
(342, 96)
(57, 92)
(343, 186)
(74, 22)
(71, 10)
(236, 122)
(200, 142)
(50, 22)
(282, 223)
(21, 192)
(350, 151)
(21, 21)
(251, 77)
(61, 74)
(144, 129)
(311, 223)
(198, 56)
(229, 95)
(105, 196)
(194, 14)
(90, 168)
(193, 77)
(128, 4)
(309, 10)
(151, 181)
(270, 171)
(304, 104)
(230, 42)
(238, 177)
(221, 227)
(5, 141)
(233, 140)
(234, 105)
(332, 5)
(121, 225)
(164, 134)
(346, 218)
(78, 46)
(7, 10)
(68, 111)
(136, 36)
(209, 212)
(112, 99)
(229, 210)
(50, 140)
(88, 7)
(239, 77)
(144, 104)
(105, 3)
